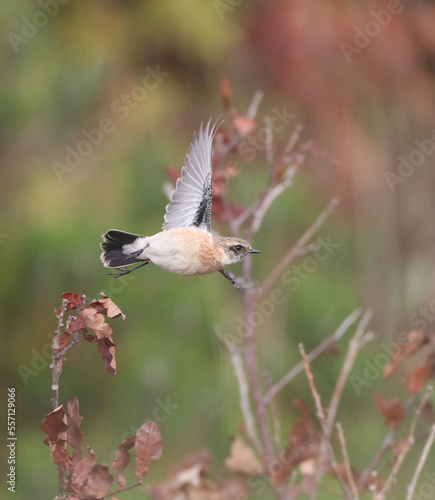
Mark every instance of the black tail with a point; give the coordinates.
(121, 248)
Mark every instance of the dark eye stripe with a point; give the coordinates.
(237, 248)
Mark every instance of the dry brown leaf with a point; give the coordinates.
(417, 378)
(122, 459)
(96, 322)
(416, 340)
(74, 300)
(55, 424)
(106, 348)
(82, 469)
(242, 459)
(391, 409)
(74, 433)
(77, 324)
(96, 486)
(149, 446)
(107, 306)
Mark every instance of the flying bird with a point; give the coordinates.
(186, 245)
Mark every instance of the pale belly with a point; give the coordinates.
(185, 251)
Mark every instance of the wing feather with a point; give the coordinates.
(191, 200)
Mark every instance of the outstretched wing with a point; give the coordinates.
(191, 200)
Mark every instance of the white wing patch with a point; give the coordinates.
(191, 200)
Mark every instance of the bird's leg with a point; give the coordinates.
(244, 286)
(124, 271)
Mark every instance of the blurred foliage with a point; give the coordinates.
(361, 114)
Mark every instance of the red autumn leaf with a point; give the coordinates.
(57, 312)
(243, 124)
(59, 454)
(63, 341)
(76, 324)
(74, 433)
(89, 337)
(149, 445)
(98, 482)
(225, 92)
(391, 409)
(74, 300)
(106, 348)
(122, 459)
(55, 424)
(82, 469)
(96, 322)
(416, 340)
(107, 306)
(417, 378)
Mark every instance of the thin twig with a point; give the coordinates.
(421, 462)
(253, 107)
(294, 138)
(275, 416)
(250, 356)
(294, 251)
(349, 474)
(270, 196)
(322, 347)
(321, 416)
(349, 360)
(121, 490)
(245, 406)
(408, 445)
(269, 146)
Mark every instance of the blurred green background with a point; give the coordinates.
(63, 73)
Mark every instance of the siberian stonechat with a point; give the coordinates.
(186, 245)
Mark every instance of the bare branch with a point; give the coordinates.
(270, 160)
(350, 478)
(121, 490)
(421, 462)
(294, 251)
(276, 419)
(245, 406)
(253, 107)
(322, 347)
(349, 360)
(325, 444)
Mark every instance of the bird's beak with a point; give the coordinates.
(254, 251)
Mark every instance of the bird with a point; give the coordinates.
(186, 245)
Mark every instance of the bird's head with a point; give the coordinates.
(234, 249)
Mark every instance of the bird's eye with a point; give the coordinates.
(237, 248)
